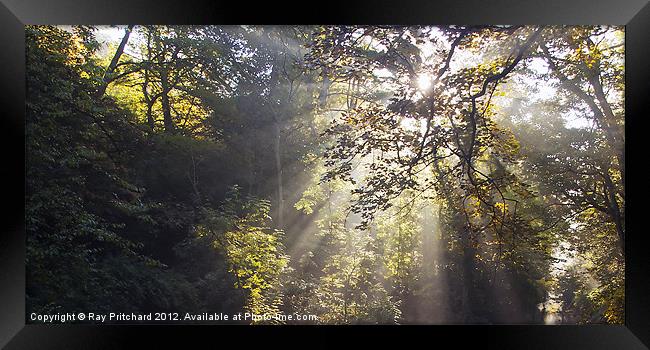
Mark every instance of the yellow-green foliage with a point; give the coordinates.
(254, 251)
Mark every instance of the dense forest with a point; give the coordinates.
(360, 174)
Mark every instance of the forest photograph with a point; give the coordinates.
(325, 174)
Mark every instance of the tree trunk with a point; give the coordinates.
(324, 90)
(615, 211)
(278, 165)
(275, 113)
(166, 106)
(116, 58)
(145, 86)
(468, 277)
(617, 138)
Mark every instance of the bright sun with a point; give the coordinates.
(424, 82)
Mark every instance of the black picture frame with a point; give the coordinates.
(14, 14)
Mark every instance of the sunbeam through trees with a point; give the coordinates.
(327, 174)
